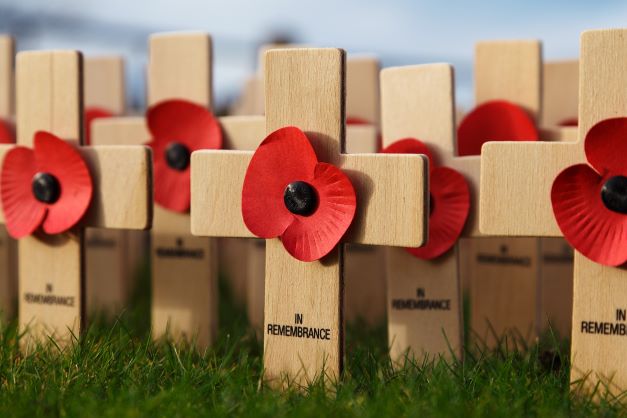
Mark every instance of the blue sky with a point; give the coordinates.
(401, 32)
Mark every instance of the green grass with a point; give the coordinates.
(114, 370)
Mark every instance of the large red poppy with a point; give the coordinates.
(91, 114)
(178, 128)
(449, 201)
(590, 201)
(497, 120)
(48, 186)
(287, 193)
(7, 133)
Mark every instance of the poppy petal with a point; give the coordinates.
(606, 145)
(286, 155)
(22, 212)
(354, 120)
(497, 120)
(569, 122)
(450, 205)
(172, 187)
(310, 238)
(410, 146)
(7, 134)
(185, 122)
(59, 158)
(91, 114)
(595, 231)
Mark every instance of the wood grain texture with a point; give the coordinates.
(362, 88)
(509, 70)
(184, 304)
(104, 85)
(418, 102)
(415, 332)
(560, 92)
(7, 75)
(128, 130)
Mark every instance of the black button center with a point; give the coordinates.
(614, 194)
(300, 198)
(177, 156)
(46, 188)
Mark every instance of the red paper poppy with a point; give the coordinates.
(48, 186)
(178, 128)
(7, 133)
(569, 122)
(449, 201)
(590, 201)
(496, 120)
(285, 172)
(91, 114)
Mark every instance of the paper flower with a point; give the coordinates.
(497, 120)
(48, 186)
(287, 193)
(590, 201)
(91, 114)
(449, 201)
(178, 128)
(7, 133)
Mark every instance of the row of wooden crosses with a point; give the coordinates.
(382, 204)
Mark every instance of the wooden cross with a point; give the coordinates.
(503, 272)
(418, 102)
(108, 254)
(184, 292)
(49, 86)
(560, 92)
(8, 275)
(364, 268)
(305, 88)
(516, 179)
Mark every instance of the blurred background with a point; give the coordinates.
(398, 31)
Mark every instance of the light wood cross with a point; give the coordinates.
(503, 272)
(305, 88)
(184, 268)
(51, 267)
(109, 254)
(364, 268)
(560, 92)
(418, 102)
(517, 178)
(8, 256)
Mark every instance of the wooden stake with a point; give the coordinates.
(305, 88)
(107, 256)
(8, 247)
(517, 178)
(49, 87)
(504, 289)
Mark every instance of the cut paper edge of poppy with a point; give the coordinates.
(606, 146)
(497, 120)
(595, 231)
(451, 205)
(91, 114)
(7, 132)
(284, 156)
(309, 238)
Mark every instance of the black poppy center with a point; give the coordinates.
(177, 156)
(300, 198)
(46, 188)
(614, 194)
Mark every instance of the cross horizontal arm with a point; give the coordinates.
(120, 131)
(216, 204)
(391, 194)
(516, 180)
(122, 178)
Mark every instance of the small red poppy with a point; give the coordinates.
(48, 186)
(287, 193)
(569, 122)
(178, 128)
(590, 201)
(449, 201)
(91, 114)
(497, 120)
(7, 133)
